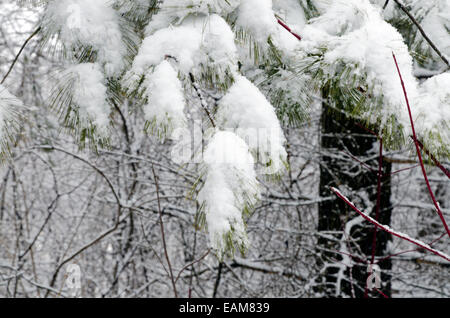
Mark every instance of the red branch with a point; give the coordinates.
(433, 158)
(284, 25)
(388, 229)
(416, 143)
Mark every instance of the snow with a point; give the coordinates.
(165, 98)
(197, 43)
(230, 186)
(434, 16)
(88, 23)
(432, 110)
(90, 97)
(172, 12)
(257, 17)
(354, 33)
(246, 110)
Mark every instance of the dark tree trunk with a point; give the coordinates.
(340, 137)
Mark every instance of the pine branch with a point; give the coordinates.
(404, 9)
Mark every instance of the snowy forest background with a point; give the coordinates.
(92, 182)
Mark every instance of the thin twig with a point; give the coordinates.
(190, 264)
(436, 204)
(163, 236)
(388, 229)
(443, 58)
(202, 100)
(433, 158)
(284, 25)
(20, 52)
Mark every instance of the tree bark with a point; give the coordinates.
(342, 139)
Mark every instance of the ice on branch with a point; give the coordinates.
(203, 45)
(230, 190)
(245, 109)
(89, 109)
(10, 107)
(89, 26)
(349, 50)
(164, 109)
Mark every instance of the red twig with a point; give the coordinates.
(404, 169)
(368, 130)
(365, 165)
(433, 158)
(383, 294)
(409, 251)
(389, 230)
(416, 143)
(284, 25)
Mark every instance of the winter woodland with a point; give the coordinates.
(224, 148)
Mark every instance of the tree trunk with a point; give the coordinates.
(341, 137)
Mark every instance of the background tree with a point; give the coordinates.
(107, 86)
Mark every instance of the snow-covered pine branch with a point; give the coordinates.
(245, 109)
(348, 51)
(10, 109)
(88, 31)
(164, 109)
(229, 193)
(81, 98)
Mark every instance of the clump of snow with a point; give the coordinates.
(90, 97)
(88, 23)
(230, 188)
(181, 43)
(245, 109)
(165, 99)
(257, 17)
(195, 44)
(218, 47)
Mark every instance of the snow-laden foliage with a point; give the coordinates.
(246, 109)
(175, 11)
(230, 189)
(433, 17)
(87, 28)
(164, 109)
(10, 108)
(83, 86)
(432, 115)
(202, 46)
(348, 50)
(257, 17)
(240, 65)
